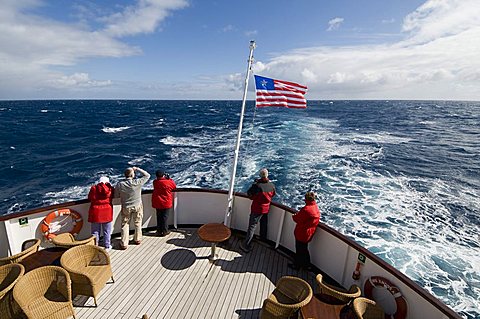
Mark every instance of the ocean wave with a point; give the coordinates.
(67, 194)
(180, 141)
(141, 160)
(115, 129)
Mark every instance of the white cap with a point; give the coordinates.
(104, 179)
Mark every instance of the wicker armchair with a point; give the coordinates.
(28, 247)
(45, 293)
(290, 294)
(67, 240)
(367, 309)
(90, 269)
(341, 294)
(9, 275)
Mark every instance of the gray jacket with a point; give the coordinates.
(130, 190)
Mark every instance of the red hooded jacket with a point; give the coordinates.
(162, 197)
(307, 220)
(101, 209)
(261, 193)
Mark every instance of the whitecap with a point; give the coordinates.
(427, 122)
(115, 129)
(180, 141)
(141, 160)
(43, 111)
(67, 194)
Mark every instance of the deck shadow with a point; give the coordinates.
(190, 240)
(178, 259)
(248, 313)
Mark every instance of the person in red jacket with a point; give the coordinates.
(307, 220)
(261, 193)
(100, 214)
(162, 200)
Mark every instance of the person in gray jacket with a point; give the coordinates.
(130, 193)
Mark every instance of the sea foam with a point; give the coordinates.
(115, 129)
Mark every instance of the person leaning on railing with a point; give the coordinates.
(100, 213)
(162, 200)
(261, 193)
(307, 220)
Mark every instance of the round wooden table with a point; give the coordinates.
(214, 233)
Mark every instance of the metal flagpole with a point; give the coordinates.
(239, 134)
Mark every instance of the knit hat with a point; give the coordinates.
(104, 179)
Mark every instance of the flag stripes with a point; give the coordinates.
(278, 93)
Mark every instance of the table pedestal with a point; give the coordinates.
(213, 256)
(214, 233)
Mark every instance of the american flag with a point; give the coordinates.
(271, 92)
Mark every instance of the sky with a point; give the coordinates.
(198, 49)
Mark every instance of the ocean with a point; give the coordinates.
(400, 177)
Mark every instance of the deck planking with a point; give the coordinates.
(171, 277)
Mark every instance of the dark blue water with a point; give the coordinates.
(400, 177)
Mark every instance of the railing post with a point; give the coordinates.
(280, 229)
(175, 202)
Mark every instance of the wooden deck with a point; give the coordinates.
(171, 277)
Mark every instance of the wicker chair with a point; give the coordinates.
(367, 309)
(28, 247)
(9, 275)
(90, 269)
(290, 294)
(67, 240)
(45, 293)
(341, 294)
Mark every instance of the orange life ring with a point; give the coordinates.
(76, 220)
(377, 281)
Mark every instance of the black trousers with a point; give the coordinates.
(162, 218)
(302, 256)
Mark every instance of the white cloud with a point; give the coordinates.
(144, 17)
(81, 80)
(251, 33)
(438, 59)
(388, 21)
(334, 24)
(32, 45)
(228, 28)
(440, 18)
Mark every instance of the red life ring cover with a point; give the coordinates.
(377, 281)
(76, 220)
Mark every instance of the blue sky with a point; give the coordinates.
(192, 49)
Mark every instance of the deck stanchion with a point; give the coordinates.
(280, 229)
(175, 219)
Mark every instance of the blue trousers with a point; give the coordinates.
(107, 232)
